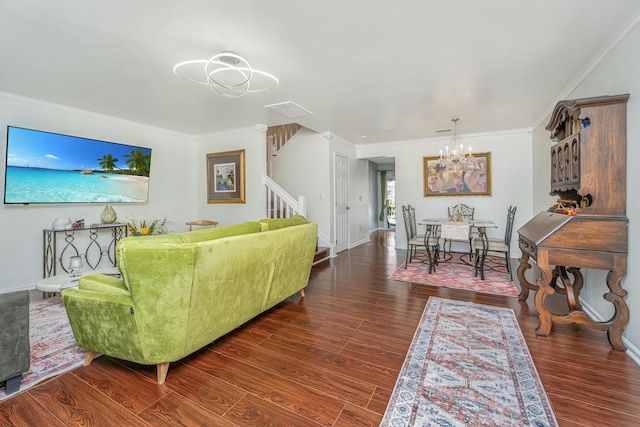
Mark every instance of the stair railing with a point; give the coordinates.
(279, 203)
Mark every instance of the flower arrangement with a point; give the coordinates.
(147, 228)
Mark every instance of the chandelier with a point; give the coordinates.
(227, 73)
(456, 156)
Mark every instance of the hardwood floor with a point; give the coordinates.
(329, 359)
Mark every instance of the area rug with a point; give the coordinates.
(457, 275)
(53, 347)
(468, 364)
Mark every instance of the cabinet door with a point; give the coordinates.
(554, 168)
(565, 164)
(575, 160)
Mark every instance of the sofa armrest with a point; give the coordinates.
(104, 323)
(103, 283)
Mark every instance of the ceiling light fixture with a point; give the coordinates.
(227, 73)
(455, 157)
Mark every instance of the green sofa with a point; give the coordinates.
(180, 292)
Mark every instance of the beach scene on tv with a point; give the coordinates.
(45, 167)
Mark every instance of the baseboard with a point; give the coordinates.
(632, 350)
(361, 242)
(28, 287)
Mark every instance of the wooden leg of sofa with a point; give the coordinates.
(302, 293)
(88, 358)
(163, 368)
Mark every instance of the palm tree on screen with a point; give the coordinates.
(139, 162)
(107, 162)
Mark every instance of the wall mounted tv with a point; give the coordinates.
(45, 167)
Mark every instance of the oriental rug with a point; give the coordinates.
(468, 364)
(53, 347)
(457, 275)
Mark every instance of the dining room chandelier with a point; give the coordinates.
(455, 156)
(226, 73)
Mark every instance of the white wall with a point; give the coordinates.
(171, 190)
(253, 142)
(511, 179)
(617, 73)
(300, 168)
(305, 167)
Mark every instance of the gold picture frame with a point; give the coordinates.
(472, 178)
(226, 177)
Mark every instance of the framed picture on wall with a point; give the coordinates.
(226, 177)
(469, 178)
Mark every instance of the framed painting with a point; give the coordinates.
(226, 177)
(470, 178)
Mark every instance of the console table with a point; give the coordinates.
(589, 169)
(59, 245)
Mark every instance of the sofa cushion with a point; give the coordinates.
(190, 236)
(220, 232)
(277, 223)
(107, 285)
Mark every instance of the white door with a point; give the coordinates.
(342, 208)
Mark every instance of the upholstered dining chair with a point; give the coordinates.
(500, 247)
(201, 223)
(460, 212)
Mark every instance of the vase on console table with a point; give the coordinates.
(108, 215)
(61, 224)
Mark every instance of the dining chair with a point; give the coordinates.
(412, 221)
(416, 241)
(412, 241)
(495, 246)
(460, 212)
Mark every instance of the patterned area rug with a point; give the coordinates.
(457, 275)
(53, 347)
(468, 364)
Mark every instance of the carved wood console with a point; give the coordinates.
(588, 168)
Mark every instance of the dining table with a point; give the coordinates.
(448, 228)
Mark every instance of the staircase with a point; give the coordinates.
(321, 255)
(277, 137)
(282, 205)
(279, 203)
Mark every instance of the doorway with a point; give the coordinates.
(341, 173)
(390, 199)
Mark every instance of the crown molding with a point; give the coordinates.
(444, 139)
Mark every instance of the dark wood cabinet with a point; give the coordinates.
(588, 169)
(588, 159)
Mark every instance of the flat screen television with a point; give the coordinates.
(45, 167)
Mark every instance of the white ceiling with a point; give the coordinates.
(389, 70)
